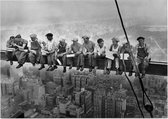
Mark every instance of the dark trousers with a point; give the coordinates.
(50, 59)
(64, 60)
(10, 55)
(97, 62)
(34, 57)
(91, 60)
(79, 58)
(21, 56)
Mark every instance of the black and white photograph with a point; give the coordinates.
(83, 59)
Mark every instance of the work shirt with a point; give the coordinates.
(89, 46)
(51, 45)
(99, 50)
(34, 45)
(9, 43)
(76, 48)
(62, 48)
(20, 41)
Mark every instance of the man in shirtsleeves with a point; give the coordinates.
(50, 48)
(21, 50)
(100, 52)
(88, 51)
(142, 55)
(35, 50)
(76, 48)
(62, 51)
(10, 49)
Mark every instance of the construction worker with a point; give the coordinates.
(50, 49)
(88, 51)
(142, 55)
(62, 51)
(76, 48)
(10, 49)
(100, 52)
(21, 50)
(125, 49)
(115, 51)
(35, 50)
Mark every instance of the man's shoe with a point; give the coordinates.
(70, 67)
(53, 68)
(11, 62)
(77, 68)
(143, 76)
(117, 72)
(130, 73)
(90, 69)
(20, 65)
(64, 69)
(42, 66)
(33, 64)
(108, 71)
(82, 68)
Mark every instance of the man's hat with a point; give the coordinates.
(12, 37)
(100, 40)
(18, 36)
(75, 39)
(115, 39)
(49, 34)
(140, 38)
(33, 36)
(85, 37)
(62, 39)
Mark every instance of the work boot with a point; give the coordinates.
(64, 69)
(130, 73)
(77, 68)
(136, 74)
(90, 69)
(70, 67)
(53, 68)
(143, 76)
(117, 72)
(11, 62)
(82, 68)
(49, 68)
(20, 65)
(33, 64)
(42, 66)
(108, 71)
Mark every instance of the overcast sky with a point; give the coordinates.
(24, 12)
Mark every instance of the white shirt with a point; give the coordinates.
(99, 50)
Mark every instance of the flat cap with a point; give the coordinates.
(115, 39)
(140, 38)
(49, 34)
(33, 36)
(85, 37)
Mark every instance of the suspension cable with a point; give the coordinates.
(149, 108)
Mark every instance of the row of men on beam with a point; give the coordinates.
(37, 51)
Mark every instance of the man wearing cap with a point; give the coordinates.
(76, 48)
(115, 50)
(35, 50)
(21, 50)
(88, 51)
(62, 50)
(10, 49)
(99, 52)
(142, 55)
(50, 49)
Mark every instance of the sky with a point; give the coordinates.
(28, 12)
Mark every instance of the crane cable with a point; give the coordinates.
(148, 107)
(132, 87)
